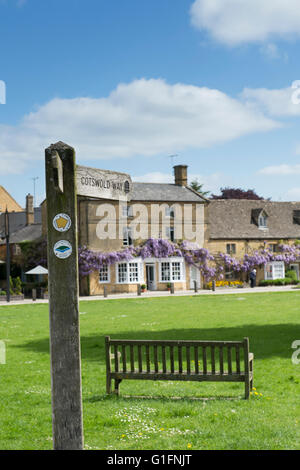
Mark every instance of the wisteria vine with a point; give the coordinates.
(286, 253)
(210, 266)
(90, 261)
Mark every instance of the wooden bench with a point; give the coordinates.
(210, 361)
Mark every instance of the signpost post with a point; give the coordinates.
(63, 297)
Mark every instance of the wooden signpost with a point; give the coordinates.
(64, 181)
(63, 297)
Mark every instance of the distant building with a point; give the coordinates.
(8, 202)
(24, 226)
(237, 227)
(177, 204)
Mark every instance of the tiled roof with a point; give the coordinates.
(164, 193)
(237, 219)
(28, 233)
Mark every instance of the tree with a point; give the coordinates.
(196, 186)
(237, 193)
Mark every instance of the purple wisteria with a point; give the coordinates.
(211, 267)
(90, 261)
(286, 253)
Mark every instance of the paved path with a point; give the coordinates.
(219, 291)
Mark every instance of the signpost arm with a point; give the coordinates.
(63, 299)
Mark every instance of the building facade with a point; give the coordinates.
(173, 212)
(238, 227)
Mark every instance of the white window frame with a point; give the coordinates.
(170, 212)
(127, 211)
(132, 266)
(169, 232)
(173, 263)
(108, 274)
(262, 220)
(271, 274)
(127, 235)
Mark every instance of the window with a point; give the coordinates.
(170, 233)
(273, 247)
(170, 212)
(165, 272)
(262, 220)
(274, 270)
(122, 272)
(133, 272)
(127, 211)
(130, 273)
(231, 248)
(104, 273)
(127, 236)
(171, 271)
(176, 271)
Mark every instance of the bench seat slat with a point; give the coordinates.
(191, 343)
(176, 376)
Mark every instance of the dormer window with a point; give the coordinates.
(262, 220)
(259, 217)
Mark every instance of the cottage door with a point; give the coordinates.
(150, 273)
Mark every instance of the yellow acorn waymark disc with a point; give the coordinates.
(62, 222)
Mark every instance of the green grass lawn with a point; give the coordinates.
(169, 417)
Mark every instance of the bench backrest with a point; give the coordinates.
(172, 356)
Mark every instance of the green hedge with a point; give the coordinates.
(279, 282)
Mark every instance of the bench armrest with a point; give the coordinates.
(251, 357)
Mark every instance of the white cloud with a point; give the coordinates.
(235, 22)
(280, 170)
(293, 194)
(272, 52)
(277, 103)
(144, 118)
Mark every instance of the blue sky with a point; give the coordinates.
(130, 83)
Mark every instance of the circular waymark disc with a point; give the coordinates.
(62, 222)
(62, 249)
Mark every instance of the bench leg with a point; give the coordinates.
(251, 372)
(108, 385)
(117, 383)
(247, 388)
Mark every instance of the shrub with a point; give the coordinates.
(17, 286)
(277, 282)
(292, 274)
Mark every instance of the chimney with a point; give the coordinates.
(180, 172)
(29, 210)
